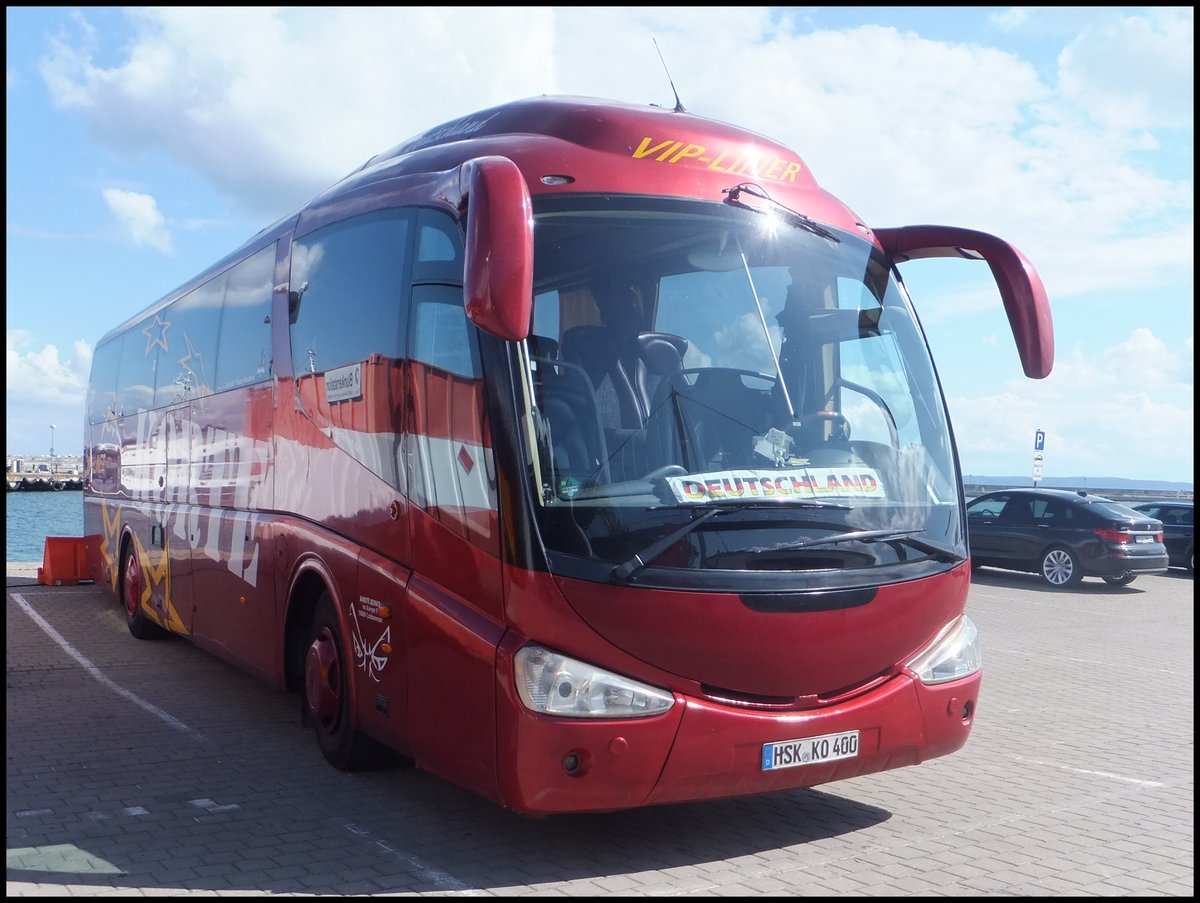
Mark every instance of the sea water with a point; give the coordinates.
(32, 516)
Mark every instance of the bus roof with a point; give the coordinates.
(612, 147)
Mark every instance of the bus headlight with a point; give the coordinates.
(953, 655)
(553, 684)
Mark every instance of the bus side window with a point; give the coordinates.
(102, 387)
(347, 284)
(244, 342)
(441, 334)
(195, 319)
(439, 248)
(136, 375)
(452, 475)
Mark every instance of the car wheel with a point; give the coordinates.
(1191, 561)
(1060, 567)
(1122, 580)
(327, 675)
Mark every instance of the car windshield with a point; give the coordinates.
(690, 357)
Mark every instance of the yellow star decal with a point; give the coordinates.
(156, 588)
(108, 545)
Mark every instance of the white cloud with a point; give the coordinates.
(1012, 18)
(1153, 85)
(40, 376)
(138, 214)
(273, 105)
(1122, 411)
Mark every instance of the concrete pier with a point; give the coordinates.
(43, 473)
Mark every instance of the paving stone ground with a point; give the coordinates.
(154, 769)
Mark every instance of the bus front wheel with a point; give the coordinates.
(327, 673)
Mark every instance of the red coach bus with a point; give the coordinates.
(587, 455)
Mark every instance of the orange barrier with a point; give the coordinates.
(64, 561)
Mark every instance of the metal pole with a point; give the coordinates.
(52, 428)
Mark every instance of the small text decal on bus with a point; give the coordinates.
(344, 383)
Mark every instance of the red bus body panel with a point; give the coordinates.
(717, 639)
(702, 749)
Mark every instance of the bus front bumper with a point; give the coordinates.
(703, 750)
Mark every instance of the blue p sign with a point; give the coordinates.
(1039, 440)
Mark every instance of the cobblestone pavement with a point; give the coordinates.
(155, 769)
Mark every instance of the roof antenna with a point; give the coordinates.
(678, 103)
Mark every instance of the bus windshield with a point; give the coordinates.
(716, 392)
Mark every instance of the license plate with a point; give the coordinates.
(1143, 538)
(809, 751)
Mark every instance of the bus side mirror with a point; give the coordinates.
(1020, 286)
(498, 266)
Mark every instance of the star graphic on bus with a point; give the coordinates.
(156, 588)
(156, 333)
(186, 362)
(108, 545)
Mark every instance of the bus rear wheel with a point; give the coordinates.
(139, 625)
(327, 672)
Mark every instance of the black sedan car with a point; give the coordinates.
(1064, 536)
(1177, 520)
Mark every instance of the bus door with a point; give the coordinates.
(454, 611)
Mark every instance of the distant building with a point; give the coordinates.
(30, 465)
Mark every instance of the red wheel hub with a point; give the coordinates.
(322, 679)
(133, 587)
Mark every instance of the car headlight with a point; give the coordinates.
(553, 684)
(953, 655)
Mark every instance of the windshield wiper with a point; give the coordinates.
(652, 551)
(656, 548)
(906, 537)
(785, 213)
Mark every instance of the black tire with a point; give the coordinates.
(326, 689)
(1123, 580)
(1191, 560)
(130, 585)
(1060, 567)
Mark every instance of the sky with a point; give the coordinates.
(145, 143)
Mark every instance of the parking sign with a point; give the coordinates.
(1039, 440)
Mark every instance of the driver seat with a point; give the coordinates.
(656, 355)
(626, 371)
